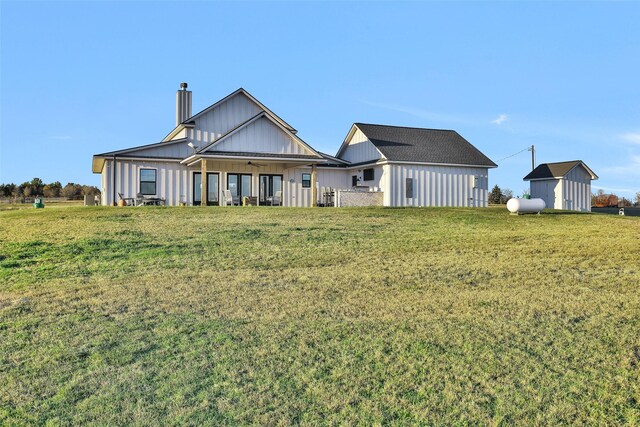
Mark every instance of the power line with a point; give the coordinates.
(515, 154)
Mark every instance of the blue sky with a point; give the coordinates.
(80, 78)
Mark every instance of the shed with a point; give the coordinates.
(563, 185)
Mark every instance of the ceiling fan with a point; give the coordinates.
(258, 165)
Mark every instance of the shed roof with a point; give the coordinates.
(557, 170)
(422, 145)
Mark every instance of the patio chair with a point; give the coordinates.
(139, 199)
(128, 201)
(277, 199)
(228, 198)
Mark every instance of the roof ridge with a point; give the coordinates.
(404, 127)
(557, 163)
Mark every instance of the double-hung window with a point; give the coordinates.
(148, 182)
(306, 180)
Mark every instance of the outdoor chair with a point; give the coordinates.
(277, 199)
(228, 198)
(128, 201)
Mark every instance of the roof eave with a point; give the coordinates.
(411, 162)
(140, 147)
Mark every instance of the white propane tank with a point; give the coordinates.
(517, 206)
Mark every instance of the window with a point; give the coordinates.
(367, 174)
(240, 186)
(148, 181)
(270, 190)
(306, 180)
(197, 188)
(212, 188)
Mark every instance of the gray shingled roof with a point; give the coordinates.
(556, 170)
(424, 145)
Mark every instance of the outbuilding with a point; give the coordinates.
(563, 185)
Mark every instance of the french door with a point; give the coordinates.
(240, 186)
(270, 190)
(213, 188)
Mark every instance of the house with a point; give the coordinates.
(237, 147)
(563, 185)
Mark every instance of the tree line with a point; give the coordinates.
(36, 187)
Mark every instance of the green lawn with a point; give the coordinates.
(281, 316)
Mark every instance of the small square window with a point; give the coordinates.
(368, 175)
(306, 180)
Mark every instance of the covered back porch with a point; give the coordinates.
(263, 180)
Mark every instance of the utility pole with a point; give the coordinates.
(533, 157)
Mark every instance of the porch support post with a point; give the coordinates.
(314, 189)
(203, 180)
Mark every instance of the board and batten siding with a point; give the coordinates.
(360, 149)
(435, 185)
(221, 119)
(172, 180)
(333, 178)
(261, 136)
(576, 190)
(549, 190)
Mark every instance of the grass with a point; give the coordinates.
(227, 316)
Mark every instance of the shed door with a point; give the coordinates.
(550, 194)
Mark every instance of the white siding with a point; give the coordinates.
(172, 180)
(262, 136)
(220, 120)
(360, 149)
(333, 178)
(175, 181)
(377, 177)
(576, 186)
(435, 185)
(549, 190)
(105, 181)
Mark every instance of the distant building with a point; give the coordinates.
(563, 185)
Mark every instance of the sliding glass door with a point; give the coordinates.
(213, 188)
(239, 184)
(271, 190)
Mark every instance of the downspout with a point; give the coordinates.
(113, 203)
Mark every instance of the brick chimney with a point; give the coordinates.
(183, 104)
